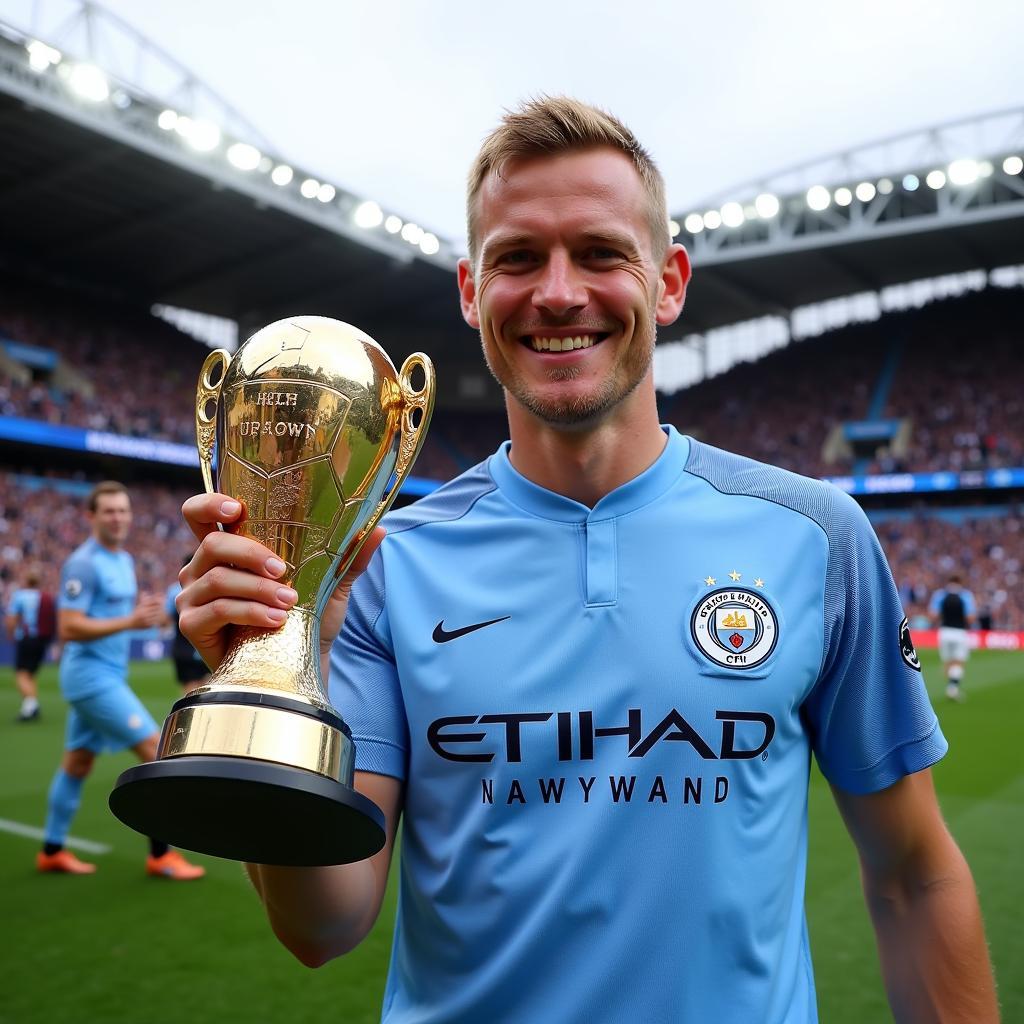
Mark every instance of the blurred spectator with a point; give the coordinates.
(43, 525)
(987, 551)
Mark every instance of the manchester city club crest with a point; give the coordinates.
(735, 627)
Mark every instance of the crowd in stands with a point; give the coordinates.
(781, 409)
(957, 373)
(959, 381)
(951, 369)
(986, 552)
(41, 525)
(124, 372)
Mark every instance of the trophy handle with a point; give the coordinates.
(412, 438)
(206, 422)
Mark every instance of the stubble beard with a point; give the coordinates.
(581, 410)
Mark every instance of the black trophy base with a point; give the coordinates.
(249, 810)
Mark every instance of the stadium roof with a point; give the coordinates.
(99, 193)
(106, 211)
(114, 193)
(939, 200)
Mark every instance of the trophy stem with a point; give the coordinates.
(275, 659)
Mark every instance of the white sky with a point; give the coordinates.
(391, 98)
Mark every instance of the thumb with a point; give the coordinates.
(337, 606)
(365, 553)
(359, 564)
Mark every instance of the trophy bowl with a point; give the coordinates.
(314, 431)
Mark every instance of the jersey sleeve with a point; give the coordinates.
(172, 592)
(364, 684)
(936, 602)
(77, 584)
(869, 716)
(970, 607)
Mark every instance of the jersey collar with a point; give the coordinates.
(652, 483)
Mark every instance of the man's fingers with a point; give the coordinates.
(203, 624)
(219, 548)
(222, 581)
(203, 512)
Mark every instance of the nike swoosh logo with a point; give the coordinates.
(442, 635)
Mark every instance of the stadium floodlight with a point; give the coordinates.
(843, 196)
(429, 244)
(818, 198)
(41, 56)
(865, 191)
(694, 223)
(167, 119)
(369, 214)
(963, 172)
(325, 193)
(767, 205)
(935, 179)
(1013, 165)
(673, 228)
(732, 215)
(412, 233)
(89, 82)
(393, 225)
(712, 220)
(309, 188)
(265, 164)
(911, 182)
(985, 168)
(199, 134)
(244, 157)
(121, 99)
(885, 186)
(282, 175)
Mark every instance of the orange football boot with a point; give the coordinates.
(172, 865)
(63, 861)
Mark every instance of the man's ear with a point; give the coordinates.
(467, 293)
(675, 275)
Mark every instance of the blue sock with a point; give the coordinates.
(65, 795)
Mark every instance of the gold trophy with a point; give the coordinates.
(314, 432)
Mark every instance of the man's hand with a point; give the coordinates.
(148, 612)
(236, 581)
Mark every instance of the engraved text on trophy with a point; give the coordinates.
(286, 458)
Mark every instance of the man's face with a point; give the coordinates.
(567, 292)
(112, 519)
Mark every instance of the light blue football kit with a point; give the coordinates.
(170, 597)
(105, 714)
(24, 604)
(967, 609)
(604, 720)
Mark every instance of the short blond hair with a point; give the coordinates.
(551, 125)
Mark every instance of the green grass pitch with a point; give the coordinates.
(121, 947)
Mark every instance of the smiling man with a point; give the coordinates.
(588, 675)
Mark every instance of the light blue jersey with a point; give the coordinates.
(25, 604)
(170, 596)
(958, 611)
(604, 719)
(100, 583)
